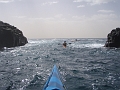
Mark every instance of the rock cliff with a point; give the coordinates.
(10, 36)
(113, 38)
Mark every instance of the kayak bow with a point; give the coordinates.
(54, 81)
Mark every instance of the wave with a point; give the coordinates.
(40, 42)
(94, 45)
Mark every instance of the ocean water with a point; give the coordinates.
(84, 65)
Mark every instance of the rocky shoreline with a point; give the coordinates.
(10, 36)
(113, 38)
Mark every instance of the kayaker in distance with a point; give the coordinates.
(64, 44)
(75, 40)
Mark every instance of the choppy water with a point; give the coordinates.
(84, 65)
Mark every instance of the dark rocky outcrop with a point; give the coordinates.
(113, 38)
(10, 36)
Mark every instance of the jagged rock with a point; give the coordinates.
(10, 36)
(113, 38)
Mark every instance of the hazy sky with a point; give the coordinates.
(62, 18)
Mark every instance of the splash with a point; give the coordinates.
(95, 45)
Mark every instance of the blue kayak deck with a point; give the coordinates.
(54, 81)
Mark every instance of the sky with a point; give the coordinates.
(62, 18)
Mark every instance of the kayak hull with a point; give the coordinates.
(54, 81)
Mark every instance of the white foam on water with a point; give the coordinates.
(95, 45)
(42, 41)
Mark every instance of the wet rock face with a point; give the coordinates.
(10, 36)
(113, 38)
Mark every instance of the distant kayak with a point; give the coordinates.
(54, 81)
(64, 44)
